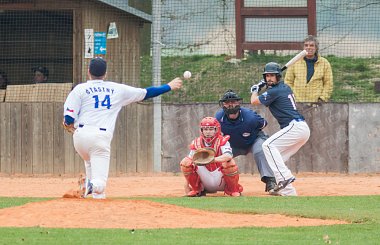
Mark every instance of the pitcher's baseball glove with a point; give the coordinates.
(204, 156)
(69, 128)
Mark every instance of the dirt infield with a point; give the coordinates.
(141, 214)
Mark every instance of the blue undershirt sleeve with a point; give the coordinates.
(69, 120)
(156, 91)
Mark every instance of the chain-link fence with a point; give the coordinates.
(52, 42)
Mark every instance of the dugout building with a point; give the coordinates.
(63, 36)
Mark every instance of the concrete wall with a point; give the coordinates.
(344, 137)
(364, 138)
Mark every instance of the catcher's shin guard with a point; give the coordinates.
(231, 178)
(189, 171)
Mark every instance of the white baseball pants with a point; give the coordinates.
(94, 147)
(211, 181)
(282, 145)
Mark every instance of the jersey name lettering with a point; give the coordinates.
(99, 90)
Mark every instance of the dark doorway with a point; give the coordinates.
(30, 39)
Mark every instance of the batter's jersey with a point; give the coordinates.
(97, 103)
(280, 100)
(242, 131)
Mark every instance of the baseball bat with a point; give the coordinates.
(296, 58)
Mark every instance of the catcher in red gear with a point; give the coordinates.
(219, 175)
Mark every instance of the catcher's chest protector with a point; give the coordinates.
(198, 143)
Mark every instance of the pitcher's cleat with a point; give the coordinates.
(87, 188)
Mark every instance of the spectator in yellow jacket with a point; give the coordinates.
(311, 78)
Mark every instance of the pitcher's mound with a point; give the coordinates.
(136, 214)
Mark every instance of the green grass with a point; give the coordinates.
(347, 208)
(211, 76)
(6, 202)
(362, 211)
(343, 234)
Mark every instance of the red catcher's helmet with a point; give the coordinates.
(210, 122)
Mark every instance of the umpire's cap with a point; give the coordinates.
(97, 67)
(230, 95)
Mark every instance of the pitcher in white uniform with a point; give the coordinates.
(92, 108)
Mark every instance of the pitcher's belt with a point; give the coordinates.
(102, 129)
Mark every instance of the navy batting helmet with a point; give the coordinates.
(272, 68)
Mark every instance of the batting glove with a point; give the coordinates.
(262, 84)
(255, 88)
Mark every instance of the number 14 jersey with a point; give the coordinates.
(97, 102)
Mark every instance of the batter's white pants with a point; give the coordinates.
(94, 147)
(281, 146)
(211, 181)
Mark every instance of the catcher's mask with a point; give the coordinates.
(206, 123)
(230, 95)
(272, 68)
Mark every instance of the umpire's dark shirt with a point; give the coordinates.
(243, 131)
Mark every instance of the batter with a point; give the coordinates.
(294, 133)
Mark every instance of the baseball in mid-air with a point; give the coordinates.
(186, 74)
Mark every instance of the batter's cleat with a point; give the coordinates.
(274, 193)
(87, 188)
(282, 184)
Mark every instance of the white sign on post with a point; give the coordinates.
(112, 31)
(89, 43)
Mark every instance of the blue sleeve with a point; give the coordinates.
(69, 120)
(219, 114)
(156, 91)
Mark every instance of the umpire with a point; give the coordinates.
(245, 129)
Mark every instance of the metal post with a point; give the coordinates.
(156, 71)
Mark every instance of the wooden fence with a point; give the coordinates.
(32, 140)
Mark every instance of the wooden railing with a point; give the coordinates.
(243, 13)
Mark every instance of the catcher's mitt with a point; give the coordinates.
(204, 156)
(69, 128)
